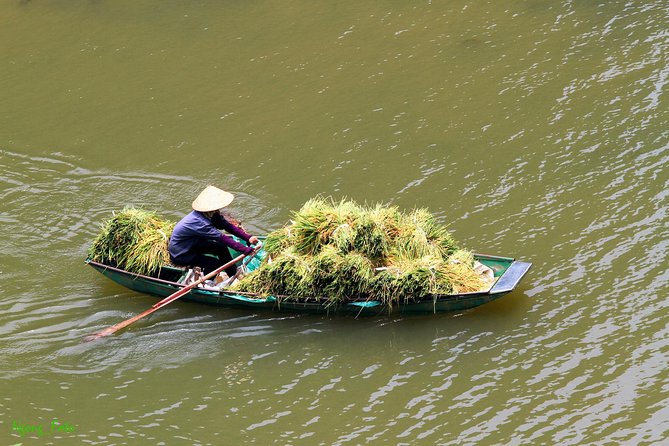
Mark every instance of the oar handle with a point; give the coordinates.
(190, 286)
(246, 262)
(214, 273)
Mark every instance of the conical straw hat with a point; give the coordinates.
(211, 199)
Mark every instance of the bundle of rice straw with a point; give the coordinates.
(133, 240)
(343, 251)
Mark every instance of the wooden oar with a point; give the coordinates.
(169, 299)
(231, 280)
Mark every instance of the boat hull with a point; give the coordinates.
(508, 274)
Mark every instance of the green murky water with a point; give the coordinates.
(536, 129)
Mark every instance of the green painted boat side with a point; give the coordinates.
(508, 273)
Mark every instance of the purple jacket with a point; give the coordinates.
(195, 227)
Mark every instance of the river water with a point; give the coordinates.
(535, 129)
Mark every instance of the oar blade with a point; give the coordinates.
(114, 328)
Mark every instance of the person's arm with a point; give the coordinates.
(210, 229)
(232, 243)
(221, 223)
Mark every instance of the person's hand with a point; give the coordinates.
(254, 240)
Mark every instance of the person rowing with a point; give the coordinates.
(197, 240)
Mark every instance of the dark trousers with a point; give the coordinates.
(207, 262)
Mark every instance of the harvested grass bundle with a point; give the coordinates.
(343, 238)
(421, 235)
(352, 276)
(345, 251)
(416, 278)
(276, 242)
(370, 238)
(289, 274)
(458, 271)
(134, 240)
(461, 278)
(312, 226)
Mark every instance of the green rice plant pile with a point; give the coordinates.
(343, 251)
(133, 240)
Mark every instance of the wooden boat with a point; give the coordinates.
(507, 271)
